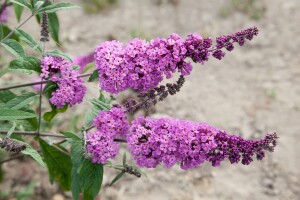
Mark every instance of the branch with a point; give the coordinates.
(31, 133)
(35, 83)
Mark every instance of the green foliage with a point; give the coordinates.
(94, 76)
(117, 178)
(18, 11)
(6, 30)
(99, 104)
(27, 65)
(56, 7)
(58, 53)
(20, 101)
(22, 3)
(54, 27)
(13, 47)
(59, 165)
(34, 154)
(48, 116)
(86, 176)
(11, 130)
(11, 114)
(28, 40)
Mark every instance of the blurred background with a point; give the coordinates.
(254, 90)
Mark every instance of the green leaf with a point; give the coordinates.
(1, 32)
(26, 65)
(10, 114)
(6, 95)
(71, 135)
(7, 30)
(3, 71)
(23, 3)
(56, 7)
(77, 159)
(91, 176)
(11, 130)
(48, 116)
(59, 165)
(54, 27)
(117, 178)
(18, 11)
(94, 76)
(30, 124)
(34, 154)
(21, 101)
(13, 47)
(28, 40)
(38, 5)
(58, 53)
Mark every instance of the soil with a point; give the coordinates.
(254, 90)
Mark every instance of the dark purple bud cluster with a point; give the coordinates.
(11, 145)
(227, 41)
(237, 149)
(154, 95)
(45, 29)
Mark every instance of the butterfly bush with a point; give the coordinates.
(70, 88)
(170, 141)
(110, 125)
(142, 65)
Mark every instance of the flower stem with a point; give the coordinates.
(35, 83)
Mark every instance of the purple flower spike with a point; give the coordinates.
(142, 65)
(110, 125)
(170, 141)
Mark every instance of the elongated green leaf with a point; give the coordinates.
(21, 101)
(71, 135)
(13, 47)
(11, 130)
(18, 11)
(10, 114)
(26, 65)
(77, 159)
(23, 3)
(54, 27)
(94, 76)
(59, 165)
(117, 178)
(6, 95)
(1, 32)
(3, 71)
(28, 40)
(38, 5)
(7, 30)
(34, 154)
(91, 176)
(124, 158)
(58, 53)
(57, 7)
(30, 124)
